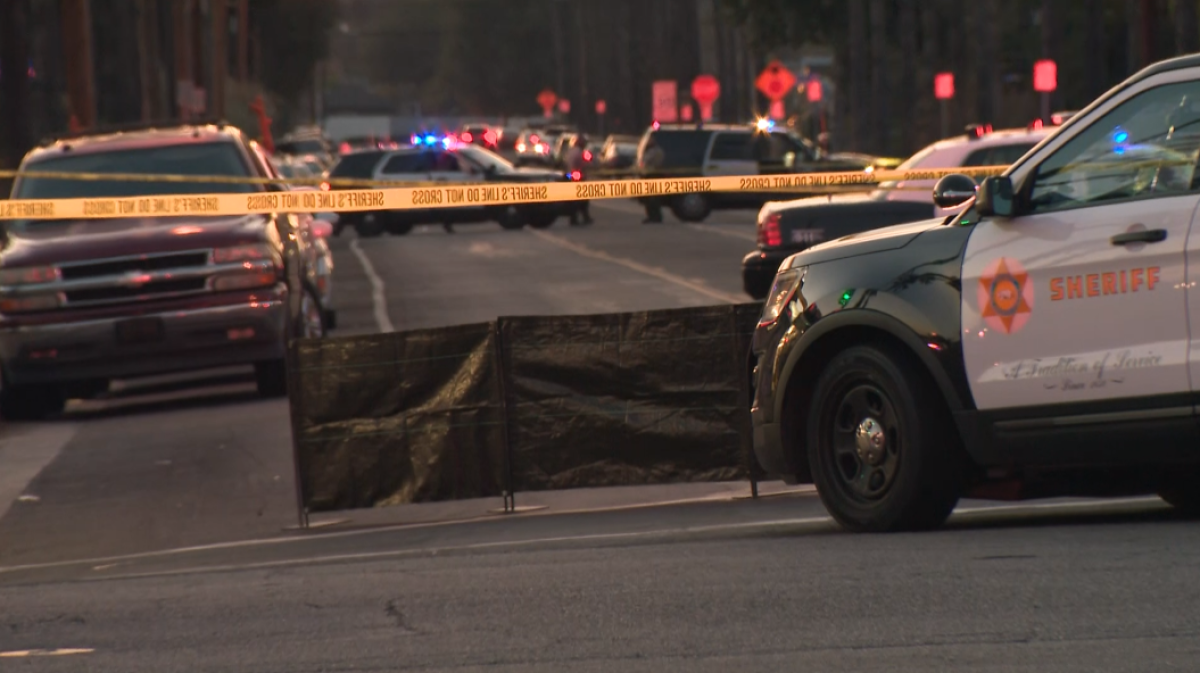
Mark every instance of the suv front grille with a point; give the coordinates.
(165, 288)
(143, 263)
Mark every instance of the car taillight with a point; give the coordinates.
(587, 155)
(466, 137)
(769, 233)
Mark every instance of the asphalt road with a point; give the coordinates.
(148, 532)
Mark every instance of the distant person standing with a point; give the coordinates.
(576, 160)
(652, 159)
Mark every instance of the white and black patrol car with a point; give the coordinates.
(443, 160)
(787, 227)
(1043, 342)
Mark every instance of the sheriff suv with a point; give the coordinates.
(1039, 343)
(787, 227)
(711, 150)
(83, 302)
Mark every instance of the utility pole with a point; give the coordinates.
(243, 35)
(77, 57)
(183, 70)
(220, 55)
(559, 51)
(584, 102)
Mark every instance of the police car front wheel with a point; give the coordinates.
(882, 450)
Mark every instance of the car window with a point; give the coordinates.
(1145, 147)
(445, 162)
(358, 165)
(682, 149)
(408, 162)
(210, 158)
(998, 155)
(733, 147)
(770, 148)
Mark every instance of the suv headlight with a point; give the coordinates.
(254, 273)
(29, 275)
(782, 292)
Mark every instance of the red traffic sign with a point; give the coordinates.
(1045, 76)
(547, 99)
(706, 90)
(813, 90)
(564, 106)
(775, 81)
(943, 85)
(685, 112)
(601, 107)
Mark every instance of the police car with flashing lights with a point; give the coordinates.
(441, 160)
(1040, 343)
(787, 227)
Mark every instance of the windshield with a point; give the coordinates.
(485, 159)
(214, 158)
(302, 147)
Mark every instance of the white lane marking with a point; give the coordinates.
(434, 551)
(656, 272)
(595, 537)
(720, 231)
(25, 451)
(13, 654)
(378, 297)
(958, 513)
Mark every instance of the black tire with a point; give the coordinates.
(1181, 492)
(398, 225)
(30, 403)
(510, 218)
(542, 220)
(691, 207)
(369, 225)
(881, 445)
(270, 377)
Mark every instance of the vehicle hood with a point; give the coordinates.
(81, 240)
(864, 243)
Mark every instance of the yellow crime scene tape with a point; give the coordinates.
(387, 195)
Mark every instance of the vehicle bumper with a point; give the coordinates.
(198, 338)
(758, 270)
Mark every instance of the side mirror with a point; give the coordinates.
(953, 190)
(995, 197)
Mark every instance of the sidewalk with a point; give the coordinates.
(552, 502)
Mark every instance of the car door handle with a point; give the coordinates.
(1144, 236)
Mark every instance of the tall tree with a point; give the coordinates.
(880, 84)
(860, 135)
(1187, 40)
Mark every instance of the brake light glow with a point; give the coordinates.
(769, 233)
(466, 137)
(490, 137)
(533, 138)
(575, 175)
(587, 155)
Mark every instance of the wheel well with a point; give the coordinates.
(797, 396)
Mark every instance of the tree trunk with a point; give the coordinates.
(1187, 40)
(14, 85)
(908, 72)
(880, 104)
(860, 117)
(930, 64)
(1094, 44)
(987, 17)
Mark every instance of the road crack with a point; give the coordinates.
(393, 611)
